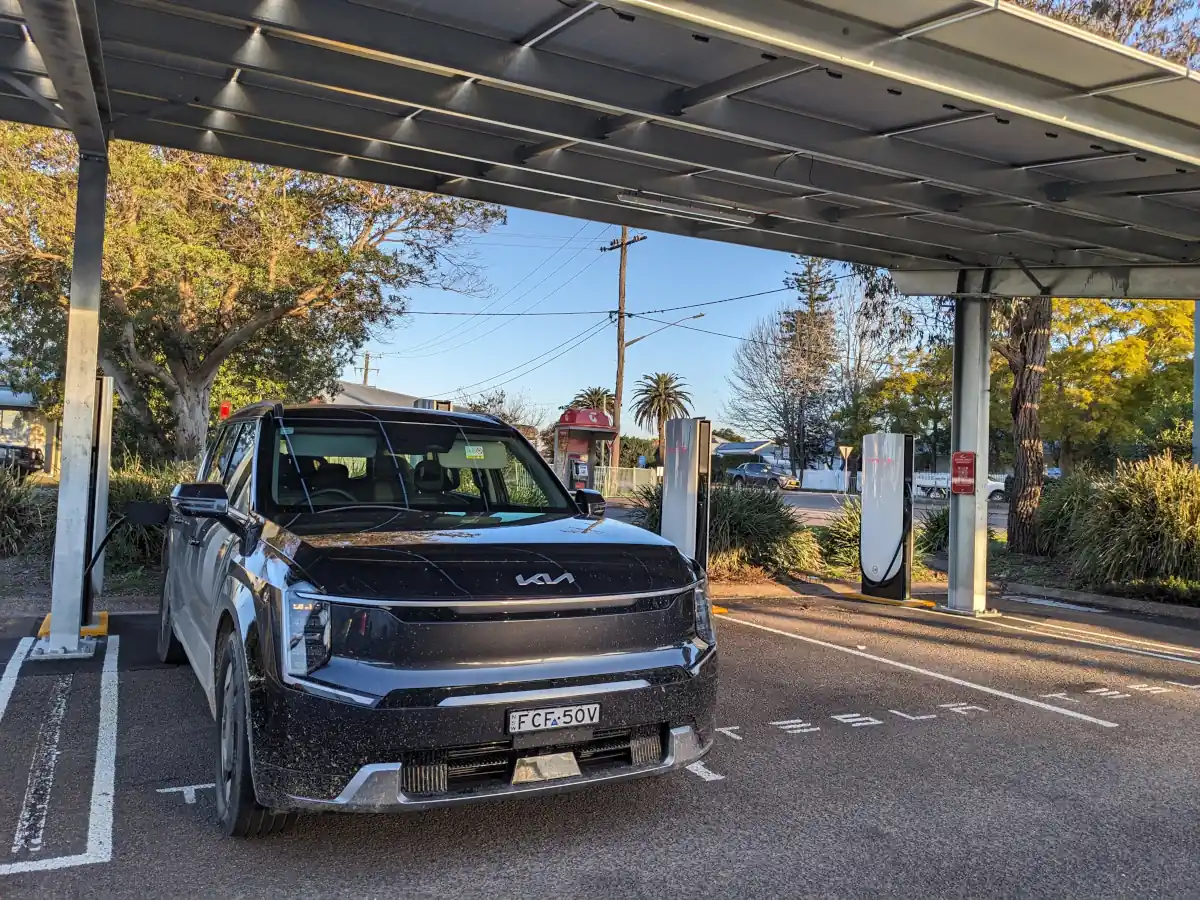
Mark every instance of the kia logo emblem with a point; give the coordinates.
(543, 578)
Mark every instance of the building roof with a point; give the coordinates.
(932, 137)
(748, 447)
(351, 394)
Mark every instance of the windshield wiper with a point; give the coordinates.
(328, 509)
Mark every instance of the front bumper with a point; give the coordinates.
(311, 752)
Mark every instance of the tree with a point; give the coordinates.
(632, 447)
(659, 397)
(728, 434)
(1169, 28)
(915, 399)
(594, 398)
(214, 268)
(515, 409)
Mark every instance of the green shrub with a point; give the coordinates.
(1143, 525)
(933, 532)
(136, 546)
(26, 516)
(839, 542)
(746, 529)
(1062, 511)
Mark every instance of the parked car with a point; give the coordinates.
(937, 485)
(400, 609)
(762, 475)
(20, 460)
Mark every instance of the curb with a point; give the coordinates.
(1105, 601)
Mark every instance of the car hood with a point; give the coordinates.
(561, 556)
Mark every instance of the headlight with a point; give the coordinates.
(306, 634)
(702, 606)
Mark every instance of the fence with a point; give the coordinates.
(613, 482)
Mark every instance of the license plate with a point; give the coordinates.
(522, 720)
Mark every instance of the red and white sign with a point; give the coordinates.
(962, 472)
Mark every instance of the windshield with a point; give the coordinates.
(402, 474)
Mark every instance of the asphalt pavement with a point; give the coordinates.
(863, 751)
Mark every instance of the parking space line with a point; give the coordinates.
(1078, 640)
(100, 813)
(1016, 698)
(1155, 645)
(31, 823)
(8, 681)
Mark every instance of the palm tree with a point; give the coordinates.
(659, 397)
(594, 398)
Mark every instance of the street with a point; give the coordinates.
(862, 751)
(819, 508)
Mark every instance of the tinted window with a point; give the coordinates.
(237, 473)
(217, 456)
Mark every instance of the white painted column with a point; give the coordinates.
(969, 431)
(104, 427)
(1196, 383)
(79, 396)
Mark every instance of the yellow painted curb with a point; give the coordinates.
(884, 601)
(100, 629)
(720, 610)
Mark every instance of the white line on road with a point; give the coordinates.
(8, 681)
(100, 815)
(31, 823)
(1153, 645)
(926, 672)
(189, 790)
(1078, 640)
(728, 732)
(897, 712)
(698, 768)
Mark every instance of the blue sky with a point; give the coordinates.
(542, 263)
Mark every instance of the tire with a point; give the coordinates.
(995, 496)
(739, 482)
(170, 651)
(773, 486)
(238, 811)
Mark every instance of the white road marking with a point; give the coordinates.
(1108, 693)
(1188, 687)
(1045, 601)
(963, 709)
(854, 720)
(1087, 632)
(727, 731)
(1060, 696)
(1016, 698)
(897, 712)
(189, 790)
(31, 822)
(100, 815)
(8, 681)
(1150, 688)
(698, 768)
(795, 726)
(1071, 637)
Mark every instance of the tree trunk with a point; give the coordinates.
(1030, 344)
(191, 406)
(662, 442)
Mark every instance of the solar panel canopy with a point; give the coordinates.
(968, 145)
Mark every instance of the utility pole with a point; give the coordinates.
(618, 397)
(367, 369)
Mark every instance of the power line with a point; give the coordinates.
(582, 340)
(732, 337)
(558, 312)
(515, 300)
(595, 327)
(435, 340)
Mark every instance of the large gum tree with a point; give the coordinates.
(267, 279)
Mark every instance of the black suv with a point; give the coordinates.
(21, 461)
(398, 609)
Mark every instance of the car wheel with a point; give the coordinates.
(169, 648)
(995, 496)
(773, 485)
(238, 811)
(739, 482)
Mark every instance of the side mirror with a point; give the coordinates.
(202, 500)
(591, 502)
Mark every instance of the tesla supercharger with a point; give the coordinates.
(686, 473)
(886, 536)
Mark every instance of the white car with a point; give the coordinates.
(937, 484)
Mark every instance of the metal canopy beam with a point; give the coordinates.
(237, 147)
(410, 41)
(57, 33)
(451, 150)
(1102, 282)
(127, 29)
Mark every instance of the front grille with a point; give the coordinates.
(483, 767)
